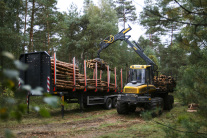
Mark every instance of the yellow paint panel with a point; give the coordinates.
(139, 66)
(126, 30)
(130, 90)
(135, 48)
(139, 89)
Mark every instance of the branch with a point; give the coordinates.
(179, 130)
(204, 44)
(190, 12)
(201, 40)
(173, 20)
(183, 7)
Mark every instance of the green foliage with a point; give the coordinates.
(149, 50)
(147, 115)
(125, 11)
(151, 54)
(185, 56)
(7, 92)
(46, 19)
(192, 88)
(11, 106)
(44, 113)
(183, 118)
(12, 100)
(10, 26)
(169, 132)
(169, 60)
(192, 127)
(9, 134)
(86, 32)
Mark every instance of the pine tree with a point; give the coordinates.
(10, 26)
(71, 36)
(185, 55)
(125, 11)
(46, 22)
(86, 5)
(31, 32)
(87, 31)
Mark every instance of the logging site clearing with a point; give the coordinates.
(103, 68)
(94, 122)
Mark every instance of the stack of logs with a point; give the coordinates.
(164, 83)
(101, 65)
(64, 77)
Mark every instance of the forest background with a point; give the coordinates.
(37, 25)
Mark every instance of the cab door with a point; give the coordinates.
(148, 75)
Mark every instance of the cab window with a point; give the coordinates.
(137, 75)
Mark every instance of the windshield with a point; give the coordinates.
(137, 75)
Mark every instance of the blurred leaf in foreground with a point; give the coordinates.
(52, 101)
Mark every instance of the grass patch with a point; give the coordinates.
(95, 120)
(147, 129)
(104, 125)
(165, 125)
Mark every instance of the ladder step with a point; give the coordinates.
(95, 103)
(96, 98)
(93, 100)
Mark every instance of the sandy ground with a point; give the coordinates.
(90, 123)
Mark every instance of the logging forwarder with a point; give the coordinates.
(140, 90)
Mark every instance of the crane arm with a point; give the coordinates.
(121, 36)
(137, 48)
(111, 39)
(140, 53)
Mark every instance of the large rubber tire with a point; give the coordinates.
(161, 105)
(132, 108)
(114, 102)
(108, 104)
(122, 107)
(172, 100)
(168, 102)
(156, 106)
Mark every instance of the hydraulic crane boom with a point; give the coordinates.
(121, 36)
(111, 39)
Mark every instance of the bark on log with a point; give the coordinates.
(64, 77)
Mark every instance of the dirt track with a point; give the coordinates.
(90, 123)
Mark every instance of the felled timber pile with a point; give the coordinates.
(64, 75)
(101, 85)
(64, 78)
(165, 83)
(101, 65)
(193, 107)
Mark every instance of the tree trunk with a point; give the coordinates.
(150, 37)
(31, 47)
(172, 35)
(48, 36)
(18, 28)
(25, 26)
(82, 61)
(124, 16)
